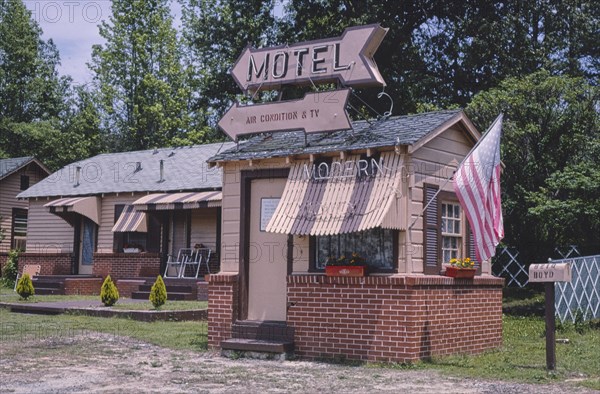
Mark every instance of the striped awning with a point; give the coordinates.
(66, 207)
(131, 220)
(166, 201)
(353, 195)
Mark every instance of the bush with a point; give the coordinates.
(25, 287)
(109, 294)
(11, 269)
(158, 293)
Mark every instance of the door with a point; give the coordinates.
(88, 246)
(267, 254)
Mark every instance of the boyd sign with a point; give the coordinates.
(550, 272)
(348, 59)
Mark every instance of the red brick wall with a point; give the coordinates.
(51, 263)
(393, 319)
(83, 286)
(222, 307)
(128, 286)
(126, 265)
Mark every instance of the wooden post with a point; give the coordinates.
(550, 327)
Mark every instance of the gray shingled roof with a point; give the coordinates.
(8, 166)
(402, 130)
(185, 168)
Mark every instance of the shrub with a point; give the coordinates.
(11, 269)
(25, 287)
(109, 294)
(158, 293)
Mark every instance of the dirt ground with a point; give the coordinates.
(101, 363)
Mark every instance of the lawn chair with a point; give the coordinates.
(31, 270)
(177, 263)
(201, 255)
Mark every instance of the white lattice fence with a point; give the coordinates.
(582, 293)
(506, 264)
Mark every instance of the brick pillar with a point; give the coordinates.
(222, 307)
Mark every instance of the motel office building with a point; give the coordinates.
(292, 201)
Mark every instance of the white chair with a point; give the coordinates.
(183, 256)
(200, 255)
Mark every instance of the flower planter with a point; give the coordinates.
(345, 270)
(131, 250)
(458, 273)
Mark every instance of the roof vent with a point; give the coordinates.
(77, 175)
(138, 166)
(155, 151)
(171, 154)
(162, 171)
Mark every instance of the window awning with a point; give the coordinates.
(131, 220)
(167, 201)
(66, 207)
(341, 197)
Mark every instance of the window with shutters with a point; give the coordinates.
(19, 229)
(444, 229)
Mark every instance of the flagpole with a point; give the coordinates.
(440, 189)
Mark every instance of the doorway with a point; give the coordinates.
(88, 246)
(267, 254)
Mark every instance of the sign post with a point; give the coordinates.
(548, 274)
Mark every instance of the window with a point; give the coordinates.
(149, 241)
(376, 246)
(451, 231)
(19, 229)
(24, 182)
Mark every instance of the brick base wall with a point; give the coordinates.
(222, 307)
(3, 260)
(83, 286)
(394, 319)
(126, 265)
(51, 263)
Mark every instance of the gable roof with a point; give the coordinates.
(396, 130)
(185, 168)
(12, 165)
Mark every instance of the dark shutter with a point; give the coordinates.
(471, 248)
(431, 236)
(24, 182)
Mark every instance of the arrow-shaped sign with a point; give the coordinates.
(316, 112)
(348, 59)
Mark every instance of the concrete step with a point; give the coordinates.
(48, 291)
(262, 330)
(255, 348)
(48, 284)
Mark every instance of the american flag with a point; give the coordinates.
(477, 186)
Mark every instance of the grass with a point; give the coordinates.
(8, 295)
(523, 354)
(191, 335)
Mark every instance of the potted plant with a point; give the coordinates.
(461, 268)
(343, 266)
(132, 248)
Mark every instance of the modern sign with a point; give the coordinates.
(560, 272)
(316, 112)
(348, 59)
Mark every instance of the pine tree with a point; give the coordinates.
(158, 293)
(109, 294)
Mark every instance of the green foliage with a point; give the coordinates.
(10, 269)
(109, 294)
(140, 75)
(158, 293)
(550, 146)
(25, 287)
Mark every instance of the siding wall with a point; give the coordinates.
(107, 218)
(9, 188)
(204, 227)
(46, 232)
(230, 229)
(433, 164)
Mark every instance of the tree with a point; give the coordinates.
(140, 76)
(551, 150)
(215, 33)
(30, 87)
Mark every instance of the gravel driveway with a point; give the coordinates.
(101, 363)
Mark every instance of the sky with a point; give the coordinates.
(73, 26)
